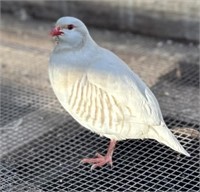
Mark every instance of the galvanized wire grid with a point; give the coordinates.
(51, 162)
(41, 146)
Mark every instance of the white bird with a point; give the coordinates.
(100, 91)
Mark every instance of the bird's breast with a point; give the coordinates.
(62, 81)
(91, 106)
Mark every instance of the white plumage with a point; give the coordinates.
(101, 92)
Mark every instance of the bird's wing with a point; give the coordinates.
(114, 77)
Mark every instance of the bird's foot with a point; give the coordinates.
(98, 161)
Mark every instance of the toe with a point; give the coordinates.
(90, 160)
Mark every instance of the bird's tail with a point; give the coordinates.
(163, 135)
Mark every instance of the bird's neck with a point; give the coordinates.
(64, 57)
(88, 43)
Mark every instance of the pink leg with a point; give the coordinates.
(101, 160)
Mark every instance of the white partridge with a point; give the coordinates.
(101, 92)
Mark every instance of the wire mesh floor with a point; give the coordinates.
(51, 162)
(41, 145)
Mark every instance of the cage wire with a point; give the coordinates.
(41, 145)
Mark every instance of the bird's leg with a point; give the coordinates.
(101, 160)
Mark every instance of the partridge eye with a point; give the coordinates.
(70, 27)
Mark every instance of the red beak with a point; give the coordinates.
(56, 31)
